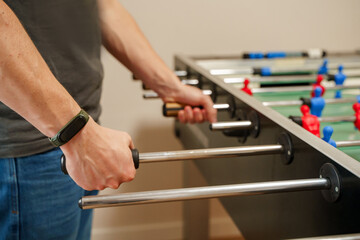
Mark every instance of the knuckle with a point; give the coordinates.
(113, 183)
(130, 175)
(98, 186)
(130, 178)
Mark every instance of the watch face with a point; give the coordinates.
(72, 129)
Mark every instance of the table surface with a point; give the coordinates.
(342, 130)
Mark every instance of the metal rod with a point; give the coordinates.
(192, 82)
(309, 70)
(299, 88)
(352, 143)
(283, 103)
(219, 126)
(272, 79)
(217, 72)
(209, 153)
(154, 95)
(338, 119)
(355, 236)
(341, 100)
(204, 192)
(215, 62)
(221, 106)
(150, 95)
(299, 102)
(181, 73)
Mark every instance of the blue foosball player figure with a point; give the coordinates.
(317, 103)
(323, 68)
(328, 131)
(340, 78)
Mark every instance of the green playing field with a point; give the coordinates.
(342, 130)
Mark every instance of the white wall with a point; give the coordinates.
(202, 27)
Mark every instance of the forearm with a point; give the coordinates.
(124, 40)
(97, 157)
(27, 84)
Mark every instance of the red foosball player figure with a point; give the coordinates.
(356, 108)
(246, 88)
(310, 122)
(318, 84)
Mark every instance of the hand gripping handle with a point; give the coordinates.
(134, 152)
(172, 109)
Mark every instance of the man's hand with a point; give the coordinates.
(193, 97)
(98, 157)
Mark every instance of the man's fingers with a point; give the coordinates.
(198, 115)
(189, 116)
(181, 116)
(211, 112)
(192, 115)
(112, 183)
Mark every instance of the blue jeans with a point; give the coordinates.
(37, 201)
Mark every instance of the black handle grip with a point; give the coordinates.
(134, 152)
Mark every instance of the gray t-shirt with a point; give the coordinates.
(67, 34)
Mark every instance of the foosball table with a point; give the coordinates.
(270, 158)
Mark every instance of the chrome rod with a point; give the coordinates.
(352, 143)
(221, 106)
(181, 73)
(219, 72)
(150, 95)
(306, 69)
(234, 62)
(338, 119)
(300, 88)
(209, 153)
(204, 192)
(341, 100)
(219, 126)
(283, 103)
(153, 95)
(299, 102)
(272, 79)
(355, 236)
(192, 82)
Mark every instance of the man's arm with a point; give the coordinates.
(97, 157)
(124, 40)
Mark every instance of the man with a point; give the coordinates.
(49, 70)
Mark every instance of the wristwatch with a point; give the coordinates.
(70, 129)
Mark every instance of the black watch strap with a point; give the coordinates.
(70, 129)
